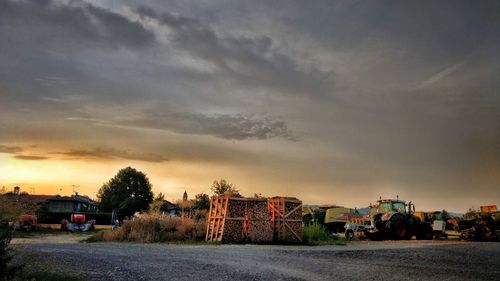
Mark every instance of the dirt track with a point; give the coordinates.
(405, 260)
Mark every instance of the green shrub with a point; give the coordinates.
(316, 234)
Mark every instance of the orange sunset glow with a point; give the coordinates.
(299, 108)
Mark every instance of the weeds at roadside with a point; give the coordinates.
(154, 228)
(315, 234)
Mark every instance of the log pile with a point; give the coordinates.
(260, 228)
(234, 220)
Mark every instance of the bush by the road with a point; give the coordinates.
(316, 234)
(151, 228)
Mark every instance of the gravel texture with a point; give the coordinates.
(388, 260)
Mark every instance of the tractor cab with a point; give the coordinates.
(391, 206)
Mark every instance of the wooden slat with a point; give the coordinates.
(295, 209)
(209, 222)
(226, 199)
(294, 233)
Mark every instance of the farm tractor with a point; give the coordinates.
(395, 219)
(77, 223)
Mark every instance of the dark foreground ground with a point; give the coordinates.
(404, 260)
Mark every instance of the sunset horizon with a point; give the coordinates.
(334, 103)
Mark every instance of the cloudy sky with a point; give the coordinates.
(329, 101)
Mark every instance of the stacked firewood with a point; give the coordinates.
(260, 228)
(233, 230)
(234, 220)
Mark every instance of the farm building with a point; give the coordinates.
(73, 203)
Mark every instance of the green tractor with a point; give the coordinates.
(394, 219)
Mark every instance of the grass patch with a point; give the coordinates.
(315, 234)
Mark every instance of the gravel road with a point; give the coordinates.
(390, 260)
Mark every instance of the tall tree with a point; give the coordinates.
(129, 192)
(201, 201)
(222, 187)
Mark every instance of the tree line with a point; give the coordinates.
(130, 191)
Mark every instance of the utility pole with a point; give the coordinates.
(75, 188)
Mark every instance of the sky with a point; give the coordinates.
(329, 101)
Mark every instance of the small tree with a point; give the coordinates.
(159, 204)
(201, 201)
(160, 197)
(222, 187)
(129, 192)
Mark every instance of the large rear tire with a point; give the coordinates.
(425, 232)
(398, 228)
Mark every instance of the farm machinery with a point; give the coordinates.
(395, 219)
(443, 223)
(77, 222)
(26, 222)
(483, 225)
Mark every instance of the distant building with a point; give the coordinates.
(169, 208)
(185, 196)
(54, 203)
(73, 203)
(17, 190)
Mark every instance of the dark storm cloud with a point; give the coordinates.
(77, 25)
(226, 126)
(434, 27)
(10, 149)
(109, 153)
(30, 157)
(251, 61)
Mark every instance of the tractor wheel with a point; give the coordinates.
(425, 232)
(399, 229)
(349, 234)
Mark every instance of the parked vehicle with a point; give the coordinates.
(77, 223)
(395, 219)
(483, 225)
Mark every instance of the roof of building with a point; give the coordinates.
(74, 198)
(34, 199)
